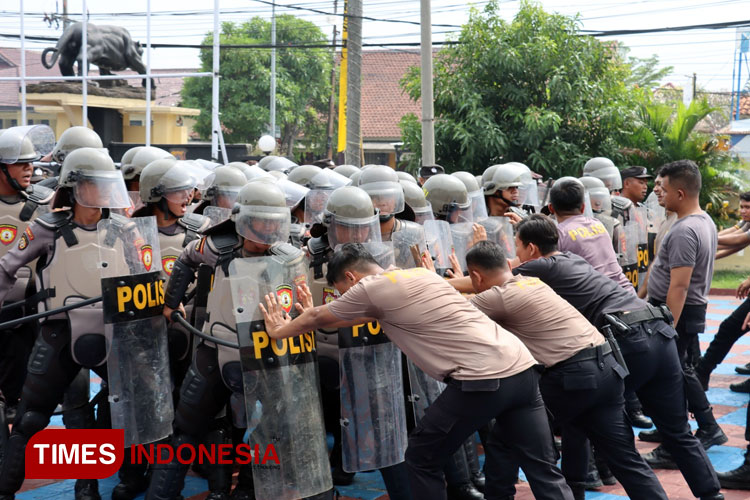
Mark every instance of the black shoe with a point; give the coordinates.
(605, 474)
(87, 489)
(479, 481)
(128, 490)
(737, 479)
(711, 438)
(743, 369)
(465, 491)
(652, 436)
(638, 419)
(715, 496)
(743, 386)
(341, 477)
(593, 480)
(660, 459)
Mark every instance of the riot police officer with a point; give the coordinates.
(19, 200)
(449, 199)
(414, 197)
(75, 138)
(261, 219)
(382, 184)
(605, 170)
(66, 242)
(135, 160)
(502, 190)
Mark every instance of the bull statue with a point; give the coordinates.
(109, 47)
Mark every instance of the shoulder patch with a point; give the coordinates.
(201, 245)
(29, 234)
(23, 242)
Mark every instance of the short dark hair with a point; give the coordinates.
(539, 230)
(486, 255)
(351, 256)
(685, 174)
(567, 196)
(745, 196)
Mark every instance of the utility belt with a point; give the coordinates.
(651, 312)
(486, 385)
(595, 352)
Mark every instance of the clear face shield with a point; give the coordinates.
(315, 204)
(293, 192)
(423, 214)
(264, 225)
(344, 230)
(601, 201)
(610, 176)
(459, 213)
(478, 206)
(388, 197)
(41, 138)
(528, 194)
(177, 183)
(224, 196)
(101, 190)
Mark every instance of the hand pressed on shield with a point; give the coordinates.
(427, 261)
(479, 234)
(305, 299)
(274, 316)
(456, 271)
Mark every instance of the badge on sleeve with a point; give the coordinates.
(8, 233)
(23, 242)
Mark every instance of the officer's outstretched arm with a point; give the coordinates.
(279, 325)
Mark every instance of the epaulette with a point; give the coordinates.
(193, 224)
(39, 195)
(60, 222)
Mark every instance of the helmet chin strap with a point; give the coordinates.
(385, 218)
(13, 183)
(164, 207)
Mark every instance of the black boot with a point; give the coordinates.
(652, 436)
(638, 419)
(87, 489)
(593, 480)
(605, 473)
(458, 477)
(737, 479)
(709, 433)
(168, 480)
(660, 458)
(743, 386)
(743, 369)
(464, 492)
(579, 490)
(219, 476)
(477, 476)
(133, 480)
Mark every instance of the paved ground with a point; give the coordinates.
(730, 409)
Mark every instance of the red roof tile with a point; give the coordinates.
(383, 101)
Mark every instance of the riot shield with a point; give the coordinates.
(280, 378)
(656, 216)
(217, 214)
(437, 234)
(408, 247)
(628, 252)
(587, 208)
(478, 206)
(640, 216)
(140, 387)
(500, 231)
(424, 390)
(463, 238)
(373, 422)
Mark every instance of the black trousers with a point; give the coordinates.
(656, 376)
(15, 348)
(729, 332)
(521, 429)
(586, 398)
(51, 370)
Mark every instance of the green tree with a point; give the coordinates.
(302, 83)
(532, 90)
(644, 72)
(667, 132)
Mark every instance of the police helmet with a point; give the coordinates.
(75, 138)
(604, 169)
(448, 197)
(260, 213)
(95, 182)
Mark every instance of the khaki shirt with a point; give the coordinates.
(552, 329)
(434, 325)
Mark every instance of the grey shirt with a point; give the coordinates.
(691, 242)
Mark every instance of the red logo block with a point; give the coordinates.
(74, 453)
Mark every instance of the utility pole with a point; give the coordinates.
(273, 70)
(353, 154)
(331, 100)
(428, 111)
(695, 87)
(66, 20)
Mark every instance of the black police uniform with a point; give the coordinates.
(650, 352)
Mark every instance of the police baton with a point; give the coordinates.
(51, 312)
(607, 330)
(178, 318)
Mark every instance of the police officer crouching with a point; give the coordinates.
(66, 243)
